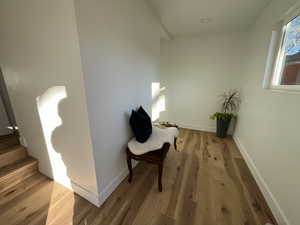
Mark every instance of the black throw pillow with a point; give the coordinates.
(142, 112)
(145, 114)
(141, 125)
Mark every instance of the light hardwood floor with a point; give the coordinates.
(206, 183)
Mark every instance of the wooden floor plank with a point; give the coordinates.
(256, 197)
(205, 182)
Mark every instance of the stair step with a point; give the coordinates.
(11, 155)
(45, 203)
(21, 188)
(13, 174)
(7, 141)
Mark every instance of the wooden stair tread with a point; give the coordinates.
(16, 168)
(8, 137)
(21, 188)
(13, 168)
(8, 141)
(3, 137)
(11, 149)
(12, 155)
(45, 203)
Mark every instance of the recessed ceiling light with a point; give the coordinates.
(205, 20)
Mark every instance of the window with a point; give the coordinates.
(283, 65)
(287, 70)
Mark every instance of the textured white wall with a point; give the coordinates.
(268, 125)
(120, 42)
(195, 71)
(39, 55)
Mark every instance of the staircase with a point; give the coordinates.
(15, 164)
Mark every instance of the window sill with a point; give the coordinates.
(286, 89)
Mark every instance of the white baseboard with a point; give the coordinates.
(86, 194)
(196, 127)
(92, 197)
(74, 187)
(271, 200)
(109, 189)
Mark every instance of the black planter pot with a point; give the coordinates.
(222, 127)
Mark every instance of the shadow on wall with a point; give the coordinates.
(158, 100)
(49, 115)
(51, 107)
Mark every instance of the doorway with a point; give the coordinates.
(8, 123)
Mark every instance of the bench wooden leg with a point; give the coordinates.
(160, 171)
(175, 143)
(129, 168)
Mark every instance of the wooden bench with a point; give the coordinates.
(154, 157)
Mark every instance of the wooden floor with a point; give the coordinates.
(206, 183)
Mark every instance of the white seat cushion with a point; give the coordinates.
(156, 141)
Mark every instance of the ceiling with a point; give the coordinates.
(192, 17)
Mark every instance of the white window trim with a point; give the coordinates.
(276, 56)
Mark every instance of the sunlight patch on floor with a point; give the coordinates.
(56, 213)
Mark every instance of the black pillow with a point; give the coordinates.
(144, 113)
(141, 125)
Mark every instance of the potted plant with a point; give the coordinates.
(230, 104)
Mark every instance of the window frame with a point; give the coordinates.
(280, 57)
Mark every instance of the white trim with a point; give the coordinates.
(285, 91)
(271, 200)
(276, 54)
(196, 127)
(281, 57)
(286, 88)
(76, 188)
(110, 188)
(86, 194)
(268, 76)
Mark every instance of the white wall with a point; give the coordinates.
(3, 119)
(268, 128)
(41, 63)
(195, 72)
(120, 42)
